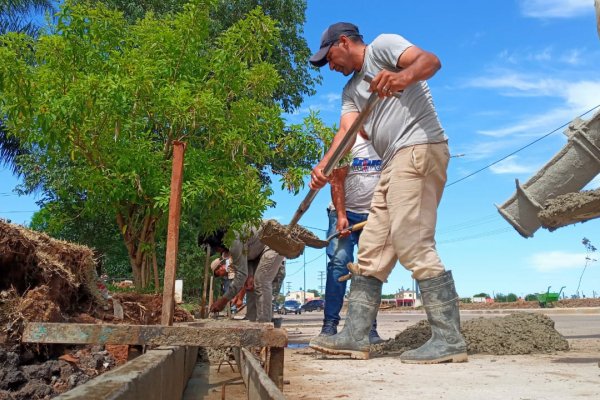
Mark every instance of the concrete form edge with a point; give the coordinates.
(158, 374)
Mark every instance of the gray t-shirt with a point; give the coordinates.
(393, 123)
(363, 174)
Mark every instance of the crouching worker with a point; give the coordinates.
(256, 267)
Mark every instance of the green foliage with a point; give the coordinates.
(289, 55)
(511, 297)
(190, 268)
(388, 296)
(97, 104)
(531, 297)
(484, 295)
(500, 298)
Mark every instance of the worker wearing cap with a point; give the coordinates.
(222, 268)
(256, 267)
(406, 133)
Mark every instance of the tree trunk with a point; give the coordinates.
(137, 233)
(203, 309)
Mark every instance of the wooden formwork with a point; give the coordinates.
(261, 382)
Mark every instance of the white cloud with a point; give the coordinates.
(577, 96)
(555, 8)
(511, 165)
(534, 125)
(572, 57)
(326, 102)
(484, 150)
(516, 84)
(583, 94)
(557, 260)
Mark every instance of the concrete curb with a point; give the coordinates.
(159, 374)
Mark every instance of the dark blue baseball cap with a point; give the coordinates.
(329, 37)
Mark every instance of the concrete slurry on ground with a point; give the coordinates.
(560, 374)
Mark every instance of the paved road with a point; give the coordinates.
(574, 374)
(581, 323)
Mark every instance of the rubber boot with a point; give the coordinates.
(363, 304)
(441, 304)
(329, 327)
(374, 337)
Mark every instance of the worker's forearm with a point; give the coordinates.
(338, 193)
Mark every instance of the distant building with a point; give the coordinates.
(481, 299)
(407, 298)
(301, 296)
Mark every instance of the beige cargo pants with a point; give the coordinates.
(403, 214)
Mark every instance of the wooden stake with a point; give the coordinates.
(168, 305)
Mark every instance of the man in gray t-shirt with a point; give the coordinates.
(408, 136)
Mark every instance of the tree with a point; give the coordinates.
(15, 16)
(500, 298)
(97, 103)
(484, 295)
(511, 298)
(289, 55)
(588, 260)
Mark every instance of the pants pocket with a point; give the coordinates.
(419, 158)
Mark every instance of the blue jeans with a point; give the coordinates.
(340, 252)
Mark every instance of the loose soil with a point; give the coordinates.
(518, 333)
(48, 280)
(279, 238)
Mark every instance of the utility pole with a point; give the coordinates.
(289, 286)
(321, 277)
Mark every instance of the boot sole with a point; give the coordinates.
(454, 358)
(357, 355)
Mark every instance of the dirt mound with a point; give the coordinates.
(500, 306)
(521, 304)
(518, 333)
(48, 280)
(574, 303)
(52, 278)
(142, 309)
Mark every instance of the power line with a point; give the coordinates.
(303, 264)
(469, 224)
(518, 150)
(478, 236)
(316, 229)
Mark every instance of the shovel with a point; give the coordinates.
(319, 244)
(286, 240)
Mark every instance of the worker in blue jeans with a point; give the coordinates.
(352, 188)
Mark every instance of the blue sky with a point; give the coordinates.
(513, 71)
